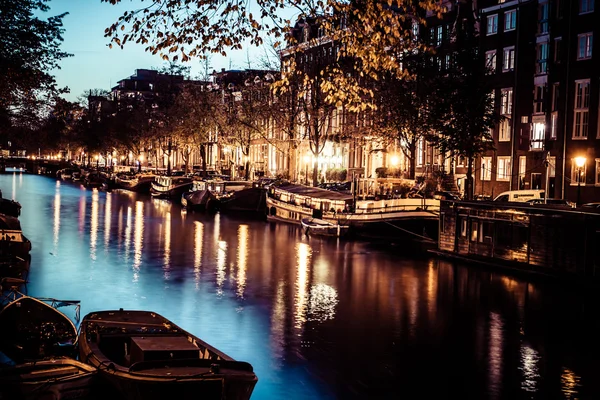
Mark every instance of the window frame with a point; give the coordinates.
(582, 96)
(503, 161)
(505, 130)
(575, 174)
(486, 172)
(510, 20)
(506, 100)
(508, 63)
(589, 9)
(589, 44)
(491, 61)
(494, 25)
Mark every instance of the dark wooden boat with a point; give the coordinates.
(34, 330)
(199, 200)
(170, 187)
(139, 183)
(319, 227)
(52, 379)
(10, 207)
(145, 356)
(12, 240)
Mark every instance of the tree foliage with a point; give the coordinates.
(29, 50)
(365, 31)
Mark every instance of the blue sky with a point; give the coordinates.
(94, 64)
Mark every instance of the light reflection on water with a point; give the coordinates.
(316, 318)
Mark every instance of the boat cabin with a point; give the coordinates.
(542, 239)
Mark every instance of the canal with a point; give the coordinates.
(318, 319)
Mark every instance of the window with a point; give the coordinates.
(577, 173)
(463, 226)
(508, 62)
(553, 124)
(504, 133)
(552, 166)
(492, 24)
(439, 35)
(522, 171)
(543, 18)
(555, 94)
(597, 174)
(510, 18)
(538, 99)
(490, 61)
(474, 230)
(420, 152)
(557, 49)
(542, 58)
(506, 101)
(537, 136)
(415, 30)
(486, 168)
(581, 109)
(503, 169)
(584, 46)
(586, 6)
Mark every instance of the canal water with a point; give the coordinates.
(318, 319)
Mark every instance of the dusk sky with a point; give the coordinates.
(94, 64)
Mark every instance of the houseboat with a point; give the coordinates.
(388, 219)
(548, 240)
(170, 186)
(139, 183)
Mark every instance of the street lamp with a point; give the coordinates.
(140, 161)
(580, 162)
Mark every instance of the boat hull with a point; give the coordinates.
(245, 200)
(53, 379)
(318, 227)
(145, 356)
(169, 192)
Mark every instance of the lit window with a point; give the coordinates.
(503, 169)
(537, 136)
(490, 61)
(504, 133)
(581, 109)
(577, 174)
(584, 46)
(553, 124)
(597, 174)
(486, 168)
(506, 101)
(508, 62)
(492, 24)
(510, 18)
(586, 6)
(522, 171)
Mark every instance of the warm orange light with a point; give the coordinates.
(580, 161)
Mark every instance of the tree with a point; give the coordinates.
(29, 50)
(364, 30)
(468, 112)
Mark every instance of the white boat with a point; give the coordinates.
(375, 219)
(319, 227)
(170, 186)
(135, 182)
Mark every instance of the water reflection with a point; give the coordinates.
(198, 244)
(242, 259)
(301, 309)
(303, 256)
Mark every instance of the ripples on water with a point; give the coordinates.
(316, 318)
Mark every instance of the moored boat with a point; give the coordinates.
(53, 379)
(139, 183)
(10, 207)
(12, 240)
(170, 186)
(391, 219)
(146, 356)
(319, 227)
(34, 330)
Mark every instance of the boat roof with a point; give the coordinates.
(318, 193)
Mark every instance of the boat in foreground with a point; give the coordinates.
(12, 240)
(170, 186)
(146, 356)
(53, 379)
(319, 227)
(34, 330)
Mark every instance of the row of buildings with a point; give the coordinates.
(546, 86)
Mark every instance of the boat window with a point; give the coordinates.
(474, 230)
(485, 232)
(443, 223)
(463, 226)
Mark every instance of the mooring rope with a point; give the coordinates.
(412, 233)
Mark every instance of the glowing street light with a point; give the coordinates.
(579, 162)
(306, 161)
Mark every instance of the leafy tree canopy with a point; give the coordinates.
(364, 29)
(29, 50)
